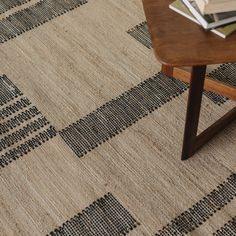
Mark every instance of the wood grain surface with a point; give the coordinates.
(177, 41)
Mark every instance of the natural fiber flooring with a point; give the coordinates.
(67, 68)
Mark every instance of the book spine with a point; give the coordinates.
(195, 20)
(196, 14)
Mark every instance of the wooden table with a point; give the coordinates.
(178, 42)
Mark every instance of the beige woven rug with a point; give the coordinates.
(91, 132)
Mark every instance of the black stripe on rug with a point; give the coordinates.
(23, 127)
(8, 90)
(6, 5)
(121, 112)
(141, 33)
(202, 210)
(106, 216)
(229, 229)
(225, 73)
(35, 15)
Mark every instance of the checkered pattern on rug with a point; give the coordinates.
(121, 112)
(196, 215)
(34, 16)
(105, 216)
(24, 128)
(229, 229)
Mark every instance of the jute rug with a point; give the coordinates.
(91, 131)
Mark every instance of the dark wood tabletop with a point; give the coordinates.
(177, 41)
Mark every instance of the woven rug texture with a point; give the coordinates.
(91, 132)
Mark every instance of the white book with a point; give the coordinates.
(216, 6)
(219, 1)
(212, 20)
(179, 7)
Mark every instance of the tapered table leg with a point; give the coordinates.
(193, 110)
(167, 70)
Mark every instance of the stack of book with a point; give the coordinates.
(219, 16)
